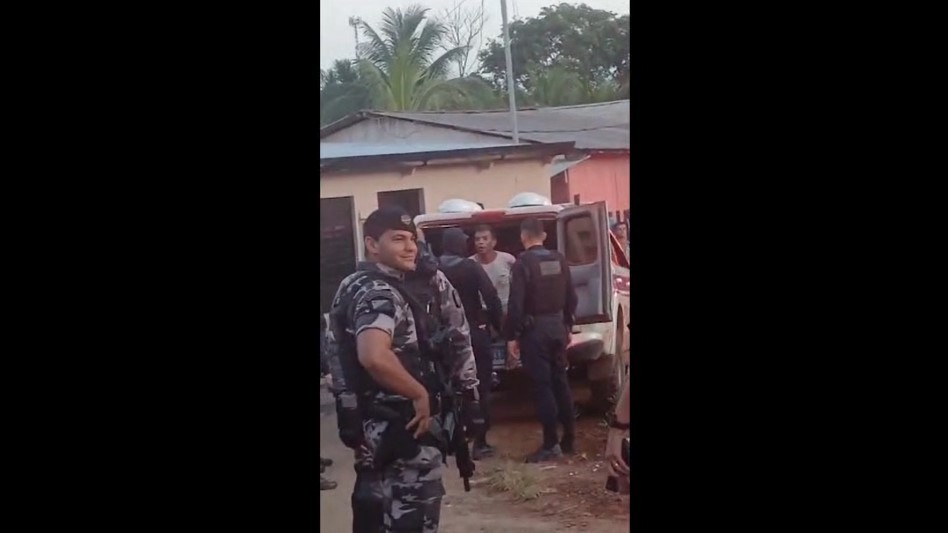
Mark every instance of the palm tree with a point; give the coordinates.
(396, 63)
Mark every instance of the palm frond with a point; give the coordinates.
(439, 67)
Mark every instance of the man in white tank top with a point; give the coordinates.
(496, 264)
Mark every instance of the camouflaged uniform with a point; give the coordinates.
(367, 497)
(411, 489)
(463, 366)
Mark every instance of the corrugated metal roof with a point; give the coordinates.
(603, 126)
(336, 156)
(342, 150)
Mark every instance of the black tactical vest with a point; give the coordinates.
(464, 278)
(421, 284)
(355, 377)
(546, 281)
(422, 289)
(415, 361)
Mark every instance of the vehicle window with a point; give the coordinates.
(582, 246)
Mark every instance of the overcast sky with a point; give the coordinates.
(337, 40)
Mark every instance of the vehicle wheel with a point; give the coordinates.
(605, 392)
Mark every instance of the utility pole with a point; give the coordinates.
(510, 85)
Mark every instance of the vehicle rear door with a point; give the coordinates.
(582, 235)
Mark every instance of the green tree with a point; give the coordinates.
(341, 91)
(557, 86)
(400, 69)
(342, 71)
(591, 43)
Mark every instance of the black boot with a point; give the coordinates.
(325, 462)
(325, 484)
(566, 444)
(481, 450)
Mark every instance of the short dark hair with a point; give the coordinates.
(487, 228)
(532, 226)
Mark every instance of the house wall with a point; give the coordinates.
(492, 186)
(602, 177)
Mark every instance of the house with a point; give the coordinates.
(597, 170)
(356, 178)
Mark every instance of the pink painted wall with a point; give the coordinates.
(602, 177)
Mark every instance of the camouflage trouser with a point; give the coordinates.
(411, 488)
(367, 497)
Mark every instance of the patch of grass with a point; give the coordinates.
(516, 479)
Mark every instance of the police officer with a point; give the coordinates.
(473, 284)
(539, 319)
(421, 282)
(374, 347)
(430, 287)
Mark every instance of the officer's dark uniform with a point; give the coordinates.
(419, 282)
(405, 492)
(539, 314)
(472, 284)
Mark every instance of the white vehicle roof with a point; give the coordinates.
(487, 215)
(457, 205)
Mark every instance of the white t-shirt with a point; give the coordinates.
(499, 273)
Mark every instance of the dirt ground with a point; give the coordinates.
(572, 495)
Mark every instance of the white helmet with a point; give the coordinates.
(525, 199)
(456, 205)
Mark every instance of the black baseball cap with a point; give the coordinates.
(387, 218)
